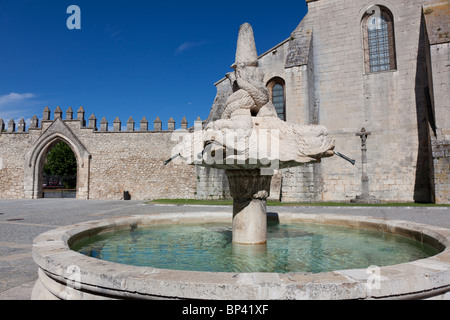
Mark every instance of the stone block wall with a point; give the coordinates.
(322, 64)
(441, 161)
(11, 169)
(134, 162)
(391, 104)
(212, 184)
(436, 16)
(109, 162)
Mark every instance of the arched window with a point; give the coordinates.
(379, 40)
(277, 96)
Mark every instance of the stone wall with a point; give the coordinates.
(322, 64)
(389, 104)
(441, 161)
(109, 162)
(13, 148)
(441, 107)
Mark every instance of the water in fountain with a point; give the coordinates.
(296, 247)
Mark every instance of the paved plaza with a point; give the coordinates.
(22, 220)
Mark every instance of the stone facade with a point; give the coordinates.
(109, 162)
(437, 37)
(322, 68)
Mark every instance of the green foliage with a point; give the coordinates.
(61, 162)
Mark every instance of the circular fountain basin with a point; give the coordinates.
(67, 274)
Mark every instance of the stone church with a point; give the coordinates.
(375, 73)
(350, 64)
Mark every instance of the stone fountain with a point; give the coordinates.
(250, 141)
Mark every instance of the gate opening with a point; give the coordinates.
(59, 172)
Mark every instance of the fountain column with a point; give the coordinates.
(249, 190)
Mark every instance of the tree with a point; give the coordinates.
(61, 162)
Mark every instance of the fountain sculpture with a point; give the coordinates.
(249, 141)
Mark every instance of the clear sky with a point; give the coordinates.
(130, 58)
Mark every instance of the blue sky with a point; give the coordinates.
(130, 58)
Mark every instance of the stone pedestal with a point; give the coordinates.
(365, 199)
(249, 190)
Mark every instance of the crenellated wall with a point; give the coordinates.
(109, 162)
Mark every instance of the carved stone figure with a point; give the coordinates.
(249, 134)
(249, 141)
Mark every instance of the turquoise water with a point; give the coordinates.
(295, 247)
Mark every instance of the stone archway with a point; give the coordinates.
(34, 160)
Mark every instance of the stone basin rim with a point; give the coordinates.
(101, 279)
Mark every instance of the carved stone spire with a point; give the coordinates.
(171, 124)
(11, 126)
(246, 47)
(80, 116)
(144, 124)
(92, 122)
(184, 123)
(58, 113)
(69, 114)
(46, 114)
(130, 124)
(157, 124)
(117, 124)
(104, 124)
(21, 126)
(34, 122)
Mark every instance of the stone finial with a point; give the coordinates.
(21, 125)
(184, 123)
(157, 124)
(92, 122)
(117, 124)
(34, 122)
(130, 124)
(69, 114)
(46, 114)
(104, 124)
(2, 126)
(80, 116)
(11, 126)
(246, 47)
(58, 113)
(80, 113)
(143, 125)
(171, 124)
(198, 124)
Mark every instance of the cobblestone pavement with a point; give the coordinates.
(22, 220)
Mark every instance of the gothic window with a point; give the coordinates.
(379, 42)
(277, 96)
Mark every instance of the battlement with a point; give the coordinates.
(91, 123)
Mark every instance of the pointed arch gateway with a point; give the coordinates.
(34, 160)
